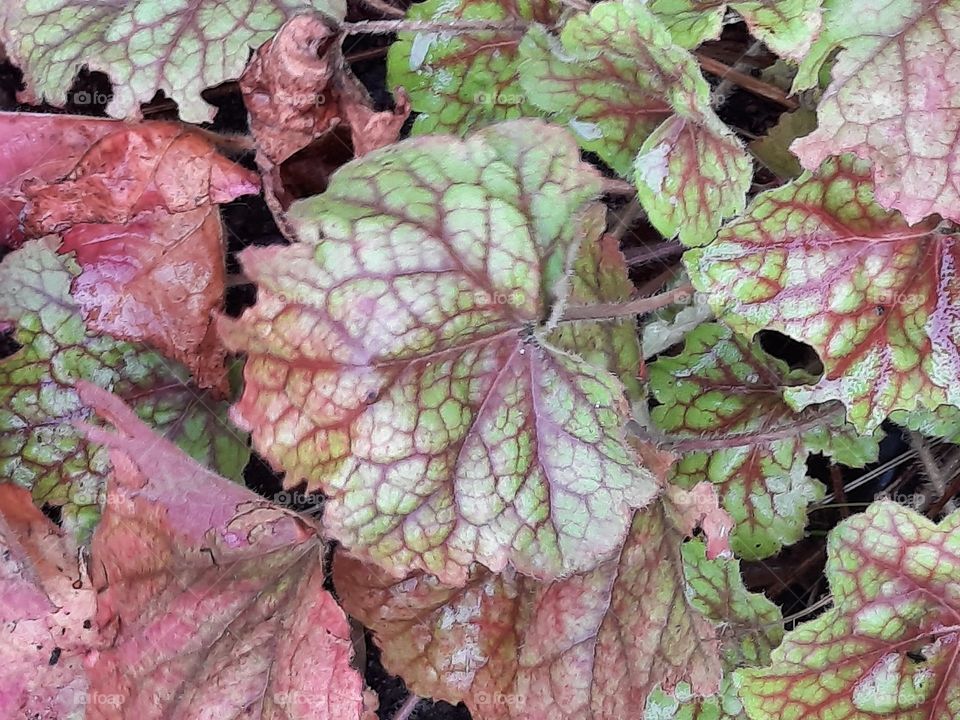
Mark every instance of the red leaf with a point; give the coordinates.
(210, 599)
(137, 204)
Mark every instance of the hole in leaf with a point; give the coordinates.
(8, 346)
(89, 94)
(916, 656)
(53, 513)
(798, 355)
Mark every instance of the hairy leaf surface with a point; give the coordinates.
(820, 261)
(210, 600)
(723, 386)
(639, 101)
(143, 46)
(39, 447)
(400, 358)
(888, 646)
(590, 647)
(892, 99)
(460, 82)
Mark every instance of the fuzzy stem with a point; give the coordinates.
(631, 308)
(454, 27)
(754, 437)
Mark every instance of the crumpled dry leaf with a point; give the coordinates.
(139, 208)
(210, 599)
(298, 89)
(44, 603)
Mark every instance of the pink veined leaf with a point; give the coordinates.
(403, 356)
(45, 601)
(592, 646)
(638, 100)
(210, 600)
(892, 100)
(888, 647)
(820, 261)
(724, 390)
(142, 46)
(139, 208)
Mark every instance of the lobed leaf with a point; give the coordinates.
(639, 101)
(400, 357)
(143, 46)
(787, 27)
(891, 100)
(39, 447)
(723, 386)
(460, 82)
(888, 646)
(210, 600)
(591, 646)
(820, 261)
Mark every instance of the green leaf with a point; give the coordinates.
(40, 448)
(459, 82)
(888, 646)
(821, 262)
(622, 85)
(180, 47)
(723, 386)
(787, 27)
(400, 358)
(943, 422)
(750, 627)
(773, 149)
(892, 100)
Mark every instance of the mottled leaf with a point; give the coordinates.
(616, 77)
(400, 358)
(821, 262)
(750, 627)
(590, 647)
(143, 46)
(892, 99)
(461, 81)
(788, 27)
(44, 603)
(722, 387)
(210, 600)
(943, 422)
(888, 646)
(39, 448)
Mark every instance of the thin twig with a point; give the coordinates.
(451, 27)
(639, 306)
(836, 478)
(408, 707)
(613, 186)
(625, 218)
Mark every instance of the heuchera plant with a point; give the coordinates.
(531, 511)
